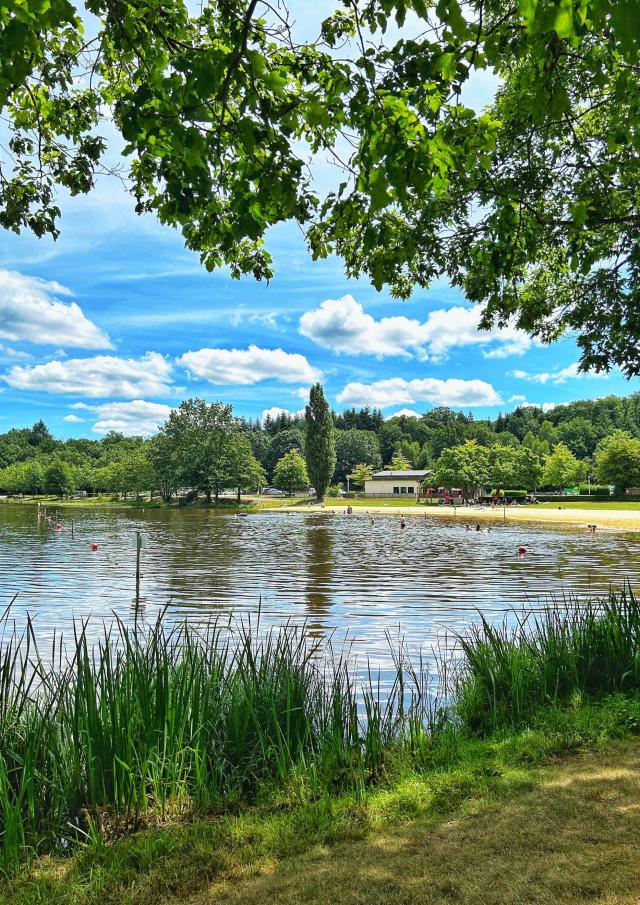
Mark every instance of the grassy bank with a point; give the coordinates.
(221, 750)
(598, 506)
(457, 821)
(247, 504)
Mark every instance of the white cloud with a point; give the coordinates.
(517, 398)
(275, 410)
(248, 366)
(30, 311)
(571, 372)
(302, 393)
(104, 375)
(405, 413)
(73, 419)
(397, 390)
(6, 352)
(342, 325)
(134, 418)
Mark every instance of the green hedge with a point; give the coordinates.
(597, 489)
(568, 498)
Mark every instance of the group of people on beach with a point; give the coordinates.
(468, 527)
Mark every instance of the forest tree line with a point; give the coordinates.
(206, 448)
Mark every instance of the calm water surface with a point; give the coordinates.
(339, 575)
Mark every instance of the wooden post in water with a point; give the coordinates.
(72, 528)
(138, 546)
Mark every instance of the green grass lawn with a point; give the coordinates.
(377, 503)
(631, 506)
(54, 502)
(108, 502)
(474, 827)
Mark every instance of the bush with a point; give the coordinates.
(569, 498)
(594, 489)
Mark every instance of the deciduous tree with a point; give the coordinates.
(360, 474)
(197, 434)
(617, 460)
(58, 478)
(244, 472)
(561, 468)
(354, 447)
(465, 466)
(290, 473)
(528, 206)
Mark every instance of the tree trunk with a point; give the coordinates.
(239, 492)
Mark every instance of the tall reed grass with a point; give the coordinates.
(147, 720)
(509, 671)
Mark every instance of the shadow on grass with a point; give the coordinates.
(571, 839)
(462, 834)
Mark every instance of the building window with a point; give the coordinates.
(403, 490)
(396, 490)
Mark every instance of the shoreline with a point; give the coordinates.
(604, 519)
(607, 519)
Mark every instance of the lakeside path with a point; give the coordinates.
(618, 519)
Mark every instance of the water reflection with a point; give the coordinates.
(340, 575)
(320, 567)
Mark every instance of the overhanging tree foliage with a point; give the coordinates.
(530, 207)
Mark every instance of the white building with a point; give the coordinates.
(395, 483)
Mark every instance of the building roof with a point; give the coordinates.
(399, 475)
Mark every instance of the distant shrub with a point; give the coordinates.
(597, 489)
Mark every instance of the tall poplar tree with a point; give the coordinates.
(320, 446)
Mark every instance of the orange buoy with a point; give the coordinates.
(94, 547)
(522, 551)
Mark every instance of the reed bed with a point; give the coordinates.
(150, 721)
(508, 672)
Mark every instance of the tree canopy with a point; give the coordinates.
(465, 466)
(561, 468)
(290, 473)
(617, 460)
(529, 206)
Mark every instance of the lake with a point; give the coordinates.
(339, 575)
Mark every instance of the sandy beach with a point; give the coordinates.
(606, 519)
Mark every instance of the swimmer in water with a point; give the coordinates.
(478, 528)
(402, 523)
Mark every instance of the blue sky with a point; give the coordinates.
(116, 322)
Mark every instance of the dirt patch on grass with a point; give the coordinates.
(574, 838)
